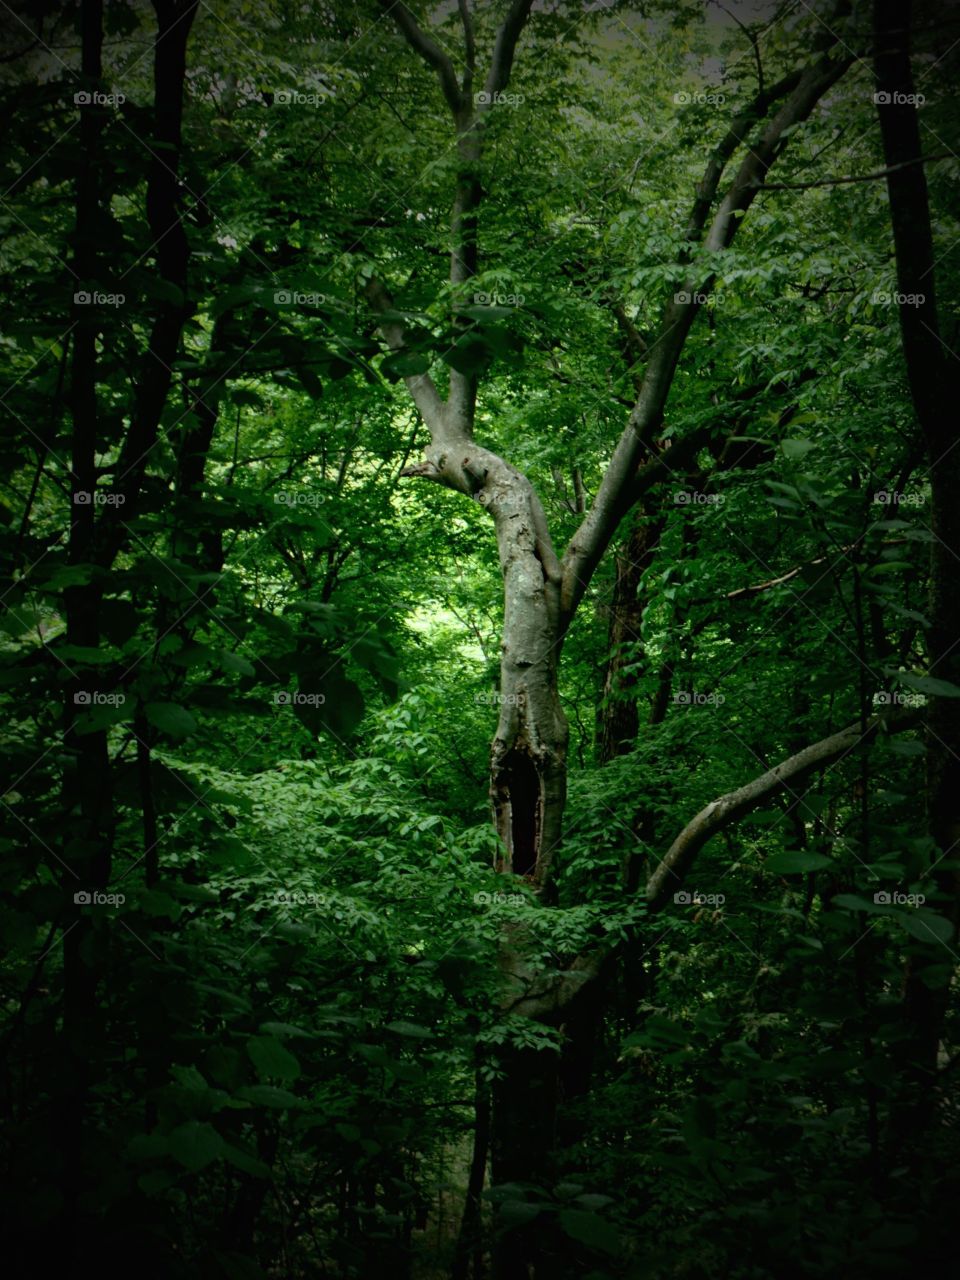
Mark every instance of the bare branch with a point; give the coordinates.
(857, 177)
(730, 808)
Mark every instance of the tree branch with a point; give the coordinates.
(421, 386)
(470, 46)
(857, 177)
(735, 804)
(428, 50)
(615, 494)
(505, 48)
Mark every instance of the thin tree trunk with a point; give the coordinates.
(618, 718)
(470, 1240)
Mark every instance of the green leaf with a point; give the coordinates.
(794, 861)
(794, 449)
(195, 1145)
(171, 718)
(924, 925)
(405, 364)
(271, 1059)
(590, 1229)
(853, 902)
(928, 684)
(246, 1162)
(410, 1029)
(266, 1095)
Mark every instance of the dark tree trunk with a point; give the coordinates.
(469, 1246)
(618, 718)
(934, 387)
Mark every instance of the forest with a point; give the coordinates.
(480, 639)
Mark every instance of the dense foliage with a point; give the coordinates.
(260, 968)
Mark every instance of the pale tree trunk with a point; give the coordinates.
(541, 591)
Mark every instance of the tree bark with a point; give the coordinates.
(934, 388)
(618, 717)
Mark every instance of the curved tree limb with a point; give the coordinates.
(429, 51)
(614, 496)
(735, 804)
(505, 47)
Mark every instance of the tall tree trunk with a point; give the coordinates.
(87, 800)
(934, 388)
